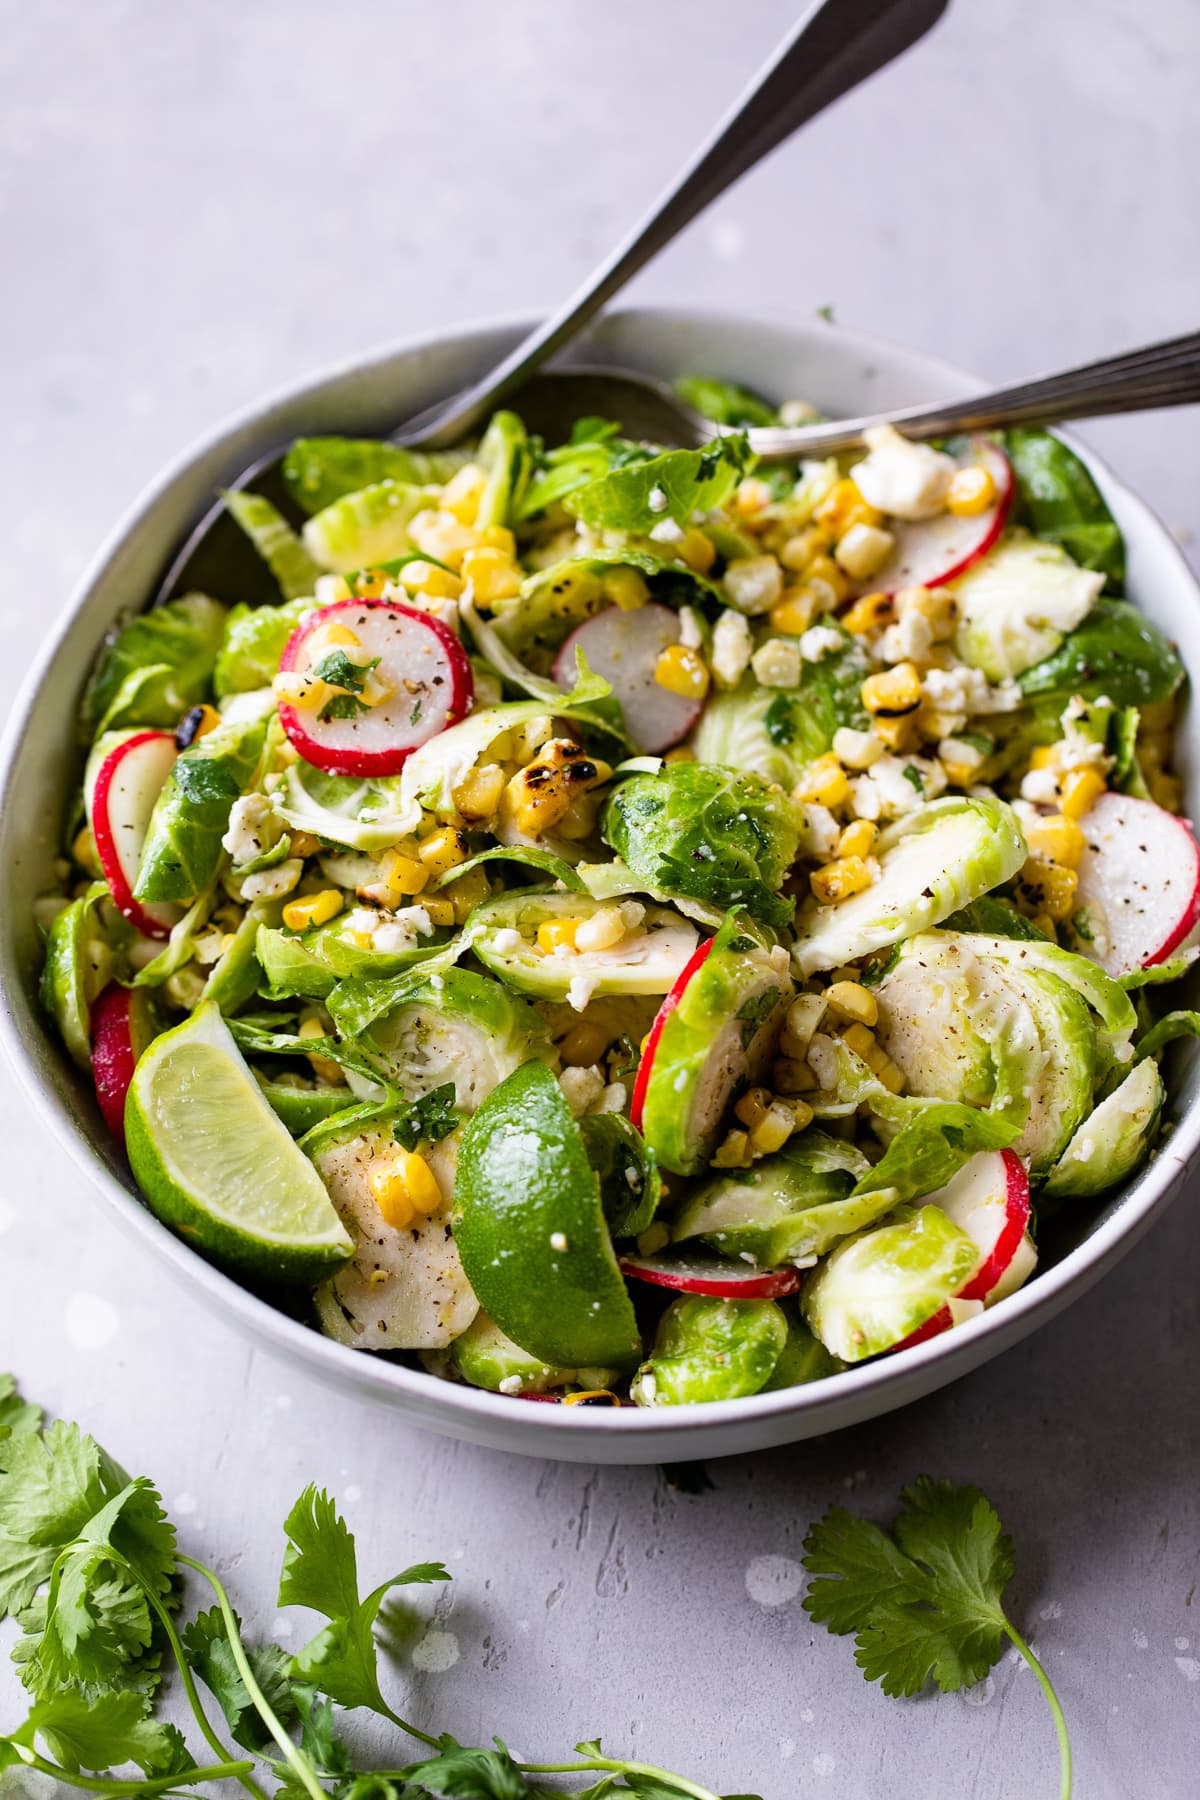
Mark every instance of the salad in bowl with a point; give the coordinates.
(629, 926)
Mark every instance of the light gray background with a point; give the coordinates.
(197, 205)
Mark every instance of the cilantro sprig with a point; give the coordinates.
(90, 1570)
(926, 1601)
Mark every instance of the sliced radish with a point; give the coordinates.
(712, 1275)
(128, 782)
(637, 1105)
(1141, 869)
(423, 671)
(122, 1026)
(929, 552)
(989, 1200)
(625, 647)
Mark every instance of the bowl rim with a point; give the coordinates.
(962, 1349)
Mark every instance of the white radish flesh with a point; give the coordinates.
(127, 784)
(1140, 870)
(929, 552)
(989, 1200)
(625, 647)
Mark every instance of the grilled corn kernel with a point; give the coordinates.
(467, 892)
(333, 636)
(893, 692)
(427, 578)
(1043, 757)
(773, 1129)
(197, 722)
(822, 570)
(859, 1038)
(584, 1045)
(798, 551)
(463, 492)
(839, 880)
(443, 537)
(863, 549)
(440, 910)
(823, 783)
(937, 606)
(844, 506)
(753, 1106)
(479, 796)
(403, 1184)
(971, 491)
(626, 588)
(402, 875)
(734, 1152)
(871, 611)
(293, 687)
(682, 671)
(1080, 791)
(317, 909)
(1045, 924)
(898, 734)
(1057, 840)
(795, 612)
(851, 1000)
(557, 934)
(1049, 888)
(791, 1075)
(752, 496)
(492, 573)
(539, 795)
(443, 849)
(1165, 790)
(591, 1397)
(697, 550)
(857, 839)
(680, 753)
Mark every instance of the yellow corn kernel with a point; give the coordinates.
(682, 671)
(823, 783)
(844, 506)
(541, 794)
(311, 1026)
(697, 550)
(403, 1184)
(443, 537)
(753, 1106)
(317, 909)
(293, 687)
(752, 496)
(790, 1075)
(1044, 757)
(468, 892)
(839, 880)
(402, 875)
(323, 1067)
(794, 613)
(579, 820)
(851, 1000)
(391, 1196)
(492, 573)
(898, 735)
(427, 578)
(773, 1129)
(584, 1044)
(208, 720)
(823, 571)
(442, 850)
(871, 611)
(83, 849)
(734, 1152)
(557, 934)
(1080, 791)
(592, 1397)
(463, 492)
(1165, 790)
(499, 537)
(1045, 924)
(626, 588)
(894, 692)
(862, 550)
(890, 1074)
(333, 636)
(680, 753)
(858, 839)
(1049, 888)
(937, 606)
(1056, 839)
(440, 910)
(479, 796)
(971, 491)
(860, 1039)
(797, 552)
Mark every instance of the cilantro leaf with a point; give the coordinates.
(101, 1733)
(462, 1774)
(673, 485)
(206, 1645)
(52, 1486)
(431, 1118)
(17, 1418)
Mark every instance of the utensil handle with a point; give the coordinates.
(836, 45)
(1166, 374)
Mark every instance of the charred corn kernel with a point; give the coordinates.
(492, 573)
(839, 880)
(427, 578)
(317, 909)
(1056, 839)
(752, 496)
(851, 1000)
(773, 1129)
(468, 892)
(626, 588)
(557, 934)
(733, 1152)
(857, 839)
(862, 550)
(197, 722)
(1079, 791)
(823, 783)
(937, 606)
(971, 491)
(868, 613)
(898, 735)
(1043, 757)
(859, 1038)
(844, 506)
(893, 692)
(1165, 790)
(791, 1075)
(1049, 888)
(333, 636)
(539, 795)
(823, 571)
(402, 875)
(463, 492)
(591, 1397)
(697, 550)
(402, 1184)
(442, 850)
(655, 1237)
(753, 1106)
(479, 796)
(682, 671)
(795, 612)
(584, 1045)
(795, 553)
(292, 687)
(680, 753)
(440, 910)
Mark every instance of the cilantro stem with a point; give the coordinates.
(434, 1743)
(1056, 1711)
(162, 1784)
(304, 1770)
(677, 1782)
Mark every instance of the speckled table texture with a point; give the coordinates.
(198, 205)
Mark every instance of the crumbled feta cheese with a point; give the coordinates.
(777, 663)
(507, 939)
(558, 1240)
(909, 638)
(580, 991)
(510, 1384)
(1040, 785)
(581, 1088)
(401, 931)
(254, 828)
(754, 583)
(866, 798)
(824, 1061)
(272, 884)
(906, 782)
(732, 646)
(656, 500)
(823, 830)
(818, 641)
(798, 412)
(207, 947)
(361, 920)
(690, 634)
(856, 749)
(961, 754)
(904, 479)
(613, 1100)
(667, 532)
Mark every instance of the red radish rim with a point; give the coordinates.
(675, 995)
(106, 844)
(563, 673)
(1017, 1209)
(756, 1284)
(112, 1055)
(366, 763)
(1188, 921)
(1003, 506)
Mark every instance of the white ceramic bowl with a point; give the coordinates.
(840, 373)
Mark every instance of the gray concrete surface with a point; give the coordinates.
(197, 205)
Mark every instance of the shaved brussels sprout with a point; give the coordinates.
(284, 553)
(1117, 653)
(485, 1358)
(1059, 500)
(191, 814)
(630, 1186)
(674, 485)
(878, 1287)
(804, 1358)
(79, 961)
(646, 962)
(1114, 1141)
(707, 1349)
(156, 667)
(461, 1028)
(553, 601)
(1017, 604)
(725, 402)
(788, 1208)
(320, 470)
(370, 526)
(505, 454)
(252, 645)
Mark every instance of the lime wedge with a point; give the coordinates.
(214, 1161)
